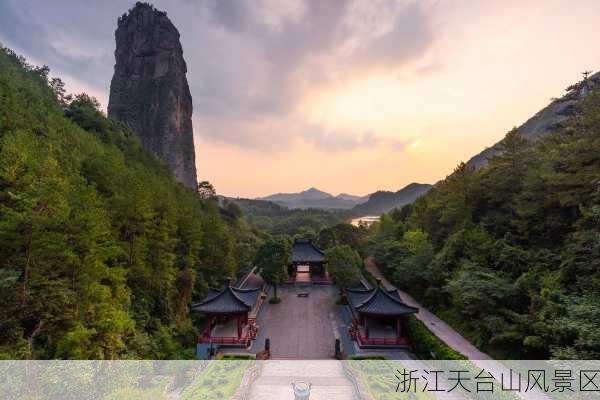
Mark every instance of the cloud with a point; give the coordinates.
(250, 62)
(65, 40)
(409, 36)
(333, 141)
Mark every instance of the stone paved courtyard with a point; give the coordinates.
(302, 327)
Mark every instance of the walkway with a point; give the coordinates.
(326, 377)
(301, 327)
(435, 325)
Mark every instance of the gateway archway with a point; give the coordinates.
(303, 274)
(308, 263)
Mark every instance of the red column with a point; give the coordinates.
(398, 328)
(239, 326)
(366, 328)
(209, 325)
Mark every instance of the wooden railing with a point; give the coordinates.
(223, 339)
(250, 334)
(382, 341)
(355, 333)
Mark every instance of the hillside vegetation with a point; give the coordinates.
(278, 220)
(381, 202)
(101, 250)
(510, 254)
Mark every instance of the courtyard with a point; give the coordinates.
(302, 327)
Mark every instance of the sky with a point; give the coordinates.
(343, 95)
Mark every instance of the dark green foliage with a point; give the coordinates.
(101, 250)
(278, 220)
(509, 254)
(382, 201)
(236, 357)
(343, 234)
(343, 264)
(374, 357)
(426, 345)
(272, 260)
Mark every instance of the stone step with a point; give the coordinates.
(315, 380)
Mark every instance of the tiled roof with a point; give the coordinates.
(306, 251)
(378, 301)
(229, 300)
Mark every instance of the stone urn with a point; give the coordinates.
(301, 390)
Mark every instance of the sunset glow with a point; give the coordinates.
(347, 97)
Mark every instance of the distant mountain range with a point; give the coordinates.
(373, 204)
(315, 198)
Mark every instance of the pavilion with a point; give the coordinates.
(379, 317)
(231, 316)
(307, 259)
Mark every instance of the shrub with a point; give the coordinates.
(427, 345)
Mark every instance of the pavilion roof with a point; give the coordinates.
(229, 300)
(305, 251)
(378, 301)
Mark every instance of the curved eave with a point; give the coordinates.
(382, 303)
(412, 310)
(228, 301)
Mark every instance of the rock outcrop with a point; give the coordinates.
(149, 90)
(545, 120)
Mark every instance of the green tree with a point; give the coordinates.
(341, 234)
(412, 269)
(272, 260)
(206, 190)
(343, 264)
(101, 250)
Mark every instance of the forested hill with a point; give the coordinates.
(510, 253)
(382, 201)
(275, 219)
(101, 250)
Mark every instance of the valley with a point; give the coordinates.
(114, 245)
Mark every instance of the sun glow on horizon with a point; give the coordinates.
(373, 96)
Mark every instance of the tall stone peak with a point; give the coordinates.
(149, 89)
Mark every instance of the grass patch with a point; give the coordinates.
(275, 300)
(380, 382)
(219, 381)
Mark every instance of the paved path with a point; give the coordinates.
(302, 327)
(435, 325)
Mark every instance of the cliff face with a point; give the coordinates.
(149, 90)
(542, 123)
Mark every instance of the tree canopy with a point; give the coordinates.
(508, 254)
(101, 250)
(343, 264)
(272, 260)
